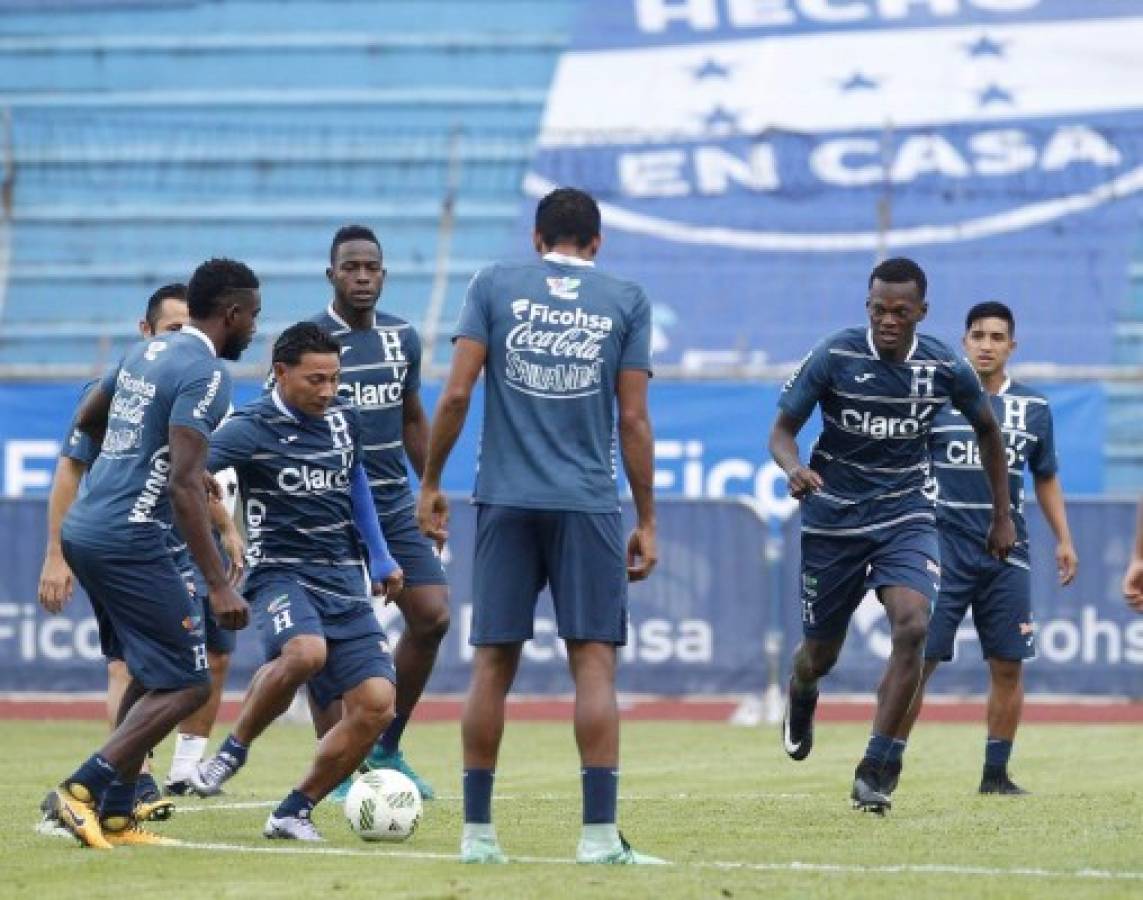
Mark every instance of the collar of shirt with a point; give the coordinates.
(564, 260)
(873, 347)
(340, 321)
(1005, 386)
(283, 407)
(190, 329)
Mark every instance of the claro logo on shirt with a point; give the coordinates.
(857, 422)
(203, 406)
(302, 479)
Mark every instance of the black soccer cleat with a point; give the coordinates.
(870, 788)
(798, 723)
(892, 775)
(996, 781)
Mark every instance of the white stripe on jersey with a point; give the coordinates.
(391, 445)
(367, 367)
(888, 496)
(884, 470)
(950, 429)
(386, 482)
(936, 401)
(273, 492)
(962, 504)
(317, 454)
(964, 467)
(313, 561)
(377, 407)
(838, 532)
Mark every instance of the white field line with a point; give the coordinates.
(815, 868)
(456, 798)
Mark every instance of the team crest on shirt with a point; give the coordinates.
(933, 567)
(278, 604)
(564, 288)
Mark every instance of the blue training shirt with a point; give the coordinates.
(964, 503)
(172, 379)
(873, 453)
(294, 477)
(558, 332)
(379, 366)
(78, 445)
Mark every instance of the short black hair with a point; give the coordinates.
(568, 214)
(991, 309)
(302, 338)
(900, 270)
(174, 291)
(348, 233)
(213, 282)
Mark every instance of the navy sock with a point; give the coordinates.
(600, 793)
(118, 802)
(391, 739)
(478, 796)
(879, 749)
(296, 806)
(896, 751)
(93, 778)
(997, 751)
(234, 749)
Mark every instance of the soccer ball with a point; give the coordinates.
(383, 805)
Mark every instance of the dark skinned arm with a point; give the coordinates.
(802, 480)
(192, 516)
(452, 409)
(415, 432)
(1002, 532)
(637, 444)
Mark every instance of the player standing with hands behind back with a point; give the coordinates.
(559, 344)
(866, 520)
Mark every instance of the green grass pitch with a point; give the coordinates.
(735, 817)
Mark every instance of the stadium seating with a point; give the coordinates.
(149, 136)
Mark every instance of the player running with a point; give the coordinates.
(559, 343)
(166, 313)
(866, 522)
(152, 415)
(381, 377)
(999, 592)
(298, 455)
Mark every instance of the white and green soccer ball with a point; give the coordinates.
(383, 805)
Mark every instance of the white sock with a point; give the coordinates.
(474, 831)
(189, 750)
(603, 835)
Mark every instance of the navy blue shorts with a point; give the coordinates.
(998, 593)
(218, 639)
(838, 571)
(580, 556)
(155, 626)
(109, 644)
(356, 646)
(415, 554)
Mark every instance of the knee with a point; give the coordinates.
(431, 623)
(374, 714)
(303, 657)
(813, 660)
(910, 630)
(1006, 673)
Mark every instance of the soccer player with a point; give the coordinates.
(381, 377)
(166, 312)
(866, 522)
(559, 343)
(152, 415)
(298, 455)
(999, 592)
(1133, 577)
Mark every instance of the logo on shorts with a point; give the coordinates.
(193, 624)
(278, 603)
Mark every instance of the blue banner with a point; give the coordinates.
(710, 438)
(698, 626)
(754, 159)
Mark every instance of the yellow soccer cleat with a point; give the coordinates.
(132, 834)
(76, 816)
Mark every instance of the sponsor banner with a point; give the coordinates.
(700, 625)
(1087, 640)
(710, 438)
(753, 159)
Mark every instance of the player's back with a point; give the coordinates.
(557, 334)
(294, 477)
(964, 503)
(174, 379)
(379, 366)
(873, 452)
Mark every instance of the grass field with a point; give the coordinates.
(735, 817)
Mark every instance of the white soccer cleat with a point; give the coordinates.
(291, 828)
